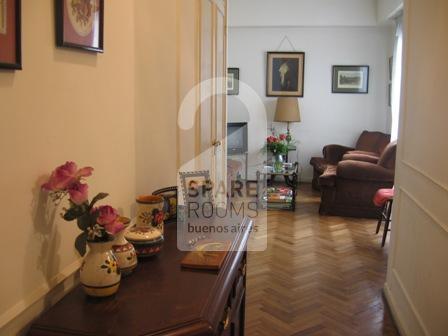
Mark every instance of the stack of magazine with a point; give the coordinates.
(278, 197)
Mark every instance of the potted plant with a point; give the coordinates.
(99, 273)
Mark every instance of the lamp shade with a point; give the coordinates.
(287, 110)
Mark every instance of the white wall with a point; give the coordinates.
(387, 8)
(326, 117)
(417, 274)
(284, 13)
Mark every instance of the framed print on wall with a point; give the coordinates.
(233, 81)
(10, 35)
(80, 24)
(350, 79)
(285, 74)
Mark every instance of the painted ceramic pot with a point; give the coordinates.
(170, 208)
(124, 251)
(99, 273)
(147, 241)
(150, 212)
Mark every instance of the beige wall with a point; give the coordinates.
(156, 93)
(417, 276)
(64, 105)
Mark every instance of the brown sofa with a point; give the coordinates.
(368, 148)
(348, 187)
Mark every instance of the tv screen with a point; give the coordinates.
(236, 138)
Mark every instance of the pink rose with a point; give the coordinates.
(108, 218)
(114, 227)
(63, 176)
(78, 192)
(106, 214)
(282, 136)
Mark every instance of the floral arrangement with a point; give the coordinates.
(277, 145)
(98, 224)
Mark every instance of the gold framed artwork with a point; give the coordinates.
(285, 74)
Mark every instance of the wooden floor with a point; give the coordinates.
(319, 276)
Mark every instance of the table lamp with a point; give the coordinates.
(287, 111)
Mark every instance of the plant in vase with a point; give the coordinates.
(278, 146)
(99, 273)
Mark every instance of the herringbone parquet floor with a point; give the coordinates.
(318, 276)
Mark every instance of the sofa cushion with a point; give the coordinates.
(361, 156)
(364, 171)
(372, 141)
(387, 159)
(319, 163)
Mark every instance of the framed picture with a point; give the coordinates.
(391, 67)
(350, 79)
(389, 95)
(10, 35)
(80, 24)
(233, 81)
(196, 187)
(285, 74)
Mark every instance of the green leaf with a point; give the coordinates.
(85, 221)
(80, 243)
(97, 198)
(74, 212)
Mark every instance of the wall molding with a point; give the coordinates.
(422, 173)
(424, 209)
(408, 320)
(27, 309)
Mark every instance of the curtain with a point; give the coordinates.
(396, 78)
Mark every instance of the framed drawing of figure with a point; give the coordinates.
(10, 35)
(285, 74)
(80, 24)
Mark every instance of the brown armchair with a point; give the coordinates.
(348, 187)
(368, 148)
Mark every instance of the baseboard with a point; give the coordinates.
(16, 320)
(406, 317)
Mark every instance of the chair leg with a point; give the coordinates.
(387, 222)
(380, 221)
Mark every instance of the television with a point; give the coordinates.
(237, 138)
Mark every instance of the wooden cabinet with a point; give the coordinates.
(160, 298)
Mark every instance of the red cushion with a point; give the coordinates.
(382, 196)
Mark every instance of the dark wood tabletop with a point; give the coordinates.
(159, 298)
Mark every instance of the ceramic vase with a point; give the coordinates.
(124, 251)
(99, 273)
(150, 212)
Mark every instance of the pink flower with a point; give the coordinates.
(108, 218)
(282, 137)
(78, 193)
(114, 227)
(63, 176)
(271, 139)
(106, 214)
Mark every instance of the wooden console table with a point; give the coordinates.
(160, 298)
